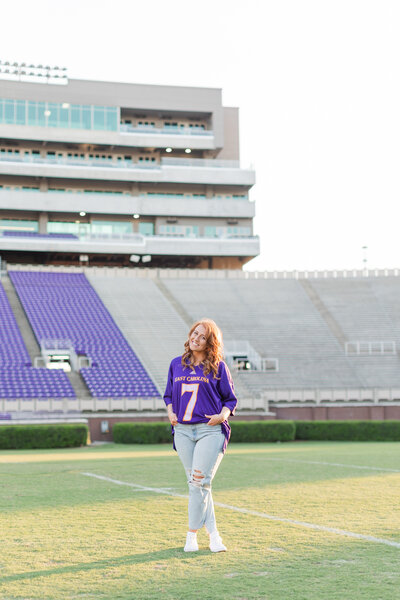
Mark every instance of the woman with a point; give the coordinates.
(199, 398)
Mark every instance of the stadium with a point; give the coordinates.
(121, 224)
(125, 216)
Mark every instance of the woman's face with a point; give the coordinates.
(197, 339)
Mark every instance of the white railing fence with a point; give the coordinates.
(241, 356)
(328, 395)
(370, 348)
(151, 273)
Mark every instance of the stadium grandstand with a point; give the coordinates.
(125, 216)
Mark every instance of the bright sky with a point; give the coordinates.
(317, 83)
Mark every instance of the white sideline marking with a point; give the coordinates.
(315, 462)
(139, 488)
(254, 513)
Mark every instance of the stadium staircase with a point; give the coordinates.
(79, 385)
(324, 312)
(23, 324)
(179, 309)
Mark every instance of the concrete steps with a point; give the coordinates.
(22, 320)
(80, 387)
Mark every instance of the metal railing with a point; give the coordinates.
(133, 238)
(166, 130)
(332, 395)
(142, 196)
(182, 273)
(200, 162)
(56, 344)
(270, 364)
(370, 348)
(124, 164)
(241, 351)
(83, 162)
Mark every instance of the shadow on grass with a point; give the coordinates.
(107, 563)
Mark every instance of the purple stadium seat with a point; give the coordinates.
(34, 234)
(65, 306)
(18, 379)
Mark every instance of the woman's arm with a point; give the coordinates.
(173, 419)
(226, 389)
(168, 397)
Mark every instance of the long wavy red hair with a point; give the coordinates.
(214, 347)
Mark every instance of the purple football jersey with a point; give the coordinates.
(194, 395)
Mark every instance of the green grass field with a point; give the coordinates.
(66, 535)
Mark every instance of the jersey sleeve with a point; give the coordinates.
(226, 388)
(168, 389)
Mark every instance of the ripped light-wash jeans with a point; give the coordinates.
(199, 447)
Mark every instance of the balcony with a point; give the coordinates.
(126, 136)
(210, 163)
(125, 204)
(201, 171)
(168, 245)
(166, 130)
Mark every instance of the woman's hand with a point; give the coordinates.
(217, 419)
(173, 419)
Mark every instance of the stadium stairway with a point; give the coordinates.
(79, 385)
(23, 324)
(387, 293)
(362, 307)
(174, 302)
(324, 312)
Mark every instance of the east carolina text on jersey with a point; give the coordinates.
(183, 378)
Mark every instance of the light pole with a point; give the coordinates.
(365, 259)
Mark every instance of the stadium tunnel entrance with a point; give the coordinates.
(60, 354)
(59, 361)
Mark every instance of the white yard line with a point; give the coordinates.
(137, 488)
(254, 513)
(315, 462)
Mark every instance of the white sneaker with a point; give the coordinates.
(191, 542)
(216, 544)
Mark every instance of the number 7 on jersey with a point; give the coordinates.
(193, 388)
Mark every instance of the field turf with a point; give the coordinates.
(69, 535)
